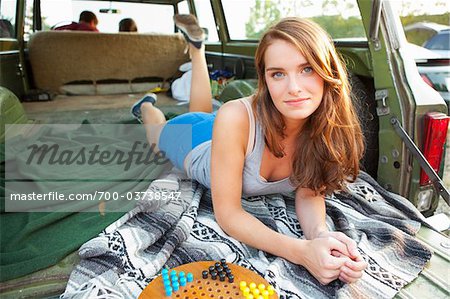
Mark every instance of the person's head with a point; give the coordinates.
(127, 25)
(302, 80)
(6, 28)
(89, 18)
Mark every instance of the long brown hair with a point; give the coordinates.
(331, 143)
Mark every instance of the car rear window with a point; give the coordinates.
(155, 18)
(440, 41)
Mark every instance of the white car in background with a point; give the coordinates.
(434, 68)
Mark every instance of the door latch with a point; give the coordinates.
(381, 97)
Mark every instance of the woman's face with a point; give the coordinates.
(296, 89)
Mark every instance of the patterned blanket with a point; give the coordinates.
(128, 254)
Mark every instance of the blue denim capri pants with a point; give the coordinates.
(183, 133)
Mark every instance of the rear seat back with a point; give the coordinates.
(60, 57)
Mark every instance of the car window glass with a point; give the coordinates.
(439, 42)
(155, 18)
(183, 7)
(339, 18)
(206, 19)
(8, 18)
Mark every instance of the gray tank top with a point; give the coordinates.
(253, 184)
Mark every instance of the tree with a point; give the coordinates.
(421, 7)
(262, 16)
(338, 27)
(335, 16)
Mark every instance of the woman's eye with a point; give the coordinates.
(277, 75)
(307, 70)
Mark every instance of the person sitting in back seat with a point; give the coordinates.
(6, 28)
(127, 25)
(88, 22)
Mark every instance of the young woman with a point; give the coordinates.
(299, 132)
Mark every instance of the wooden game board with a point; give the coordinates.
(205, 288)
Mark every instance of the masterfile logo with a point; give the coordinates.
(69, 168)
(140, 153)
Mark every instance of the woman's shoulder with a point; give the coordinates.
(233, 120)
(235, 111)
(231, 123)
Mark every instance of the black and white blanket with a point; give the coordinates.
(128, 254)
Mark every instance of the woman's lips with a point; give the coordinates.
(296, 102)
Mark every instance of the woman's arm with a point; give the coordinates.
(230, 136)
(310, 209)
